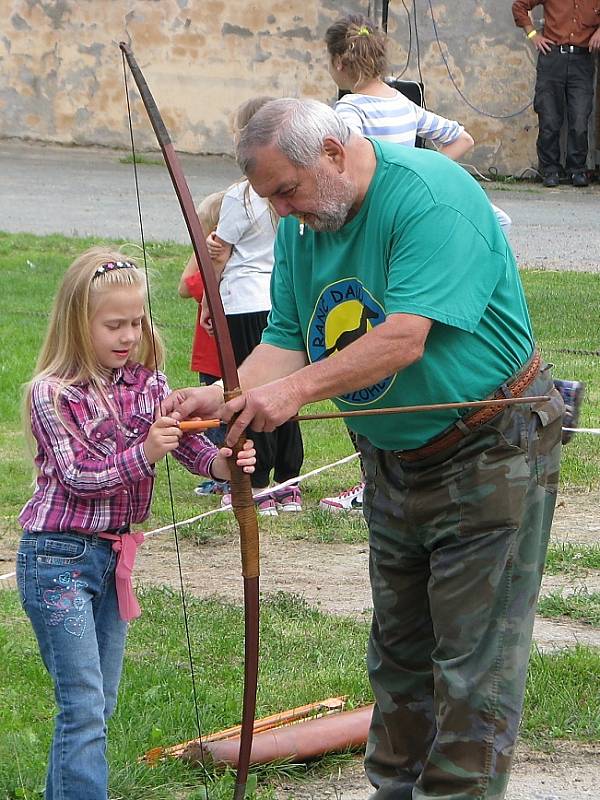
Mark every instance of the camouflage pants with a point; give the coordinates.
(457, 548)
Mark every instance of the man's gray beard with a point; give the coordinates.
(334, 200)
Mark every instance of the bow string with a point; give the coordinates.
(241, 490)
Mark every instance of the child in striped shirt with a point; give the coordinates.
(93, 416)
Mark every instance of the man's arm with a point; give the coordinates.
(385, 350)
(265, 364)
(520, 10)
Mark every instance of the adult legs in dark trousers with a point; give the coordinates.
(565, 82)
(281, 451)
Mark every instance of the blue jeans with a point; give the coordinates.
(67, 588)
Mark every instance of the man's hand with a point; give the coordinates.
(594, 43)
(201, 401)
(541, 43)
(262, 408)
(163, 437)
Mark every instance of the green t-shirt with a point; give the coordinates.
(425, 241)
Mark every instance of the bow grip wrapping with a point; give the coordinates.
(244, 508)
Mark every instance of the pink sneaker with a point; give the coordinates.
(348, 500)
(266, 505)
(288, 499)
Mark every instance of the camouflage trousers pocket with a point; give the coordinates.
(492, 488)
(545, 440)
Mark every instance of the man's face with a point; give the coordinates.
(319, 195)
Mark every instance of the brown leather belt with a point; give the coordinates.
(464, 426)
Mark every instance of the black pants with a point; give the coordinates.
(281, 451)
(564, 81)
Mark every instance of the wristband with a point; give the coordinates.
(531, 34)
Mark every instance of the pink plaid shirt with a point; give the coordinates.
(93, 474)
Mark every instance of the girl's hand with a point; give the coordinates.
(215, 247)
(205, 317)
(163, 437)
(246, 460)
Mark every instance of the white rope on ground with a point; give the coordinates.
(191, 520)
(291, 482)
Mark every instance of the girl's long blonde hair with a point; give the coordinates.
(67, 355)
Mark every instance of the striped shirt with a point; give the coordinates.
(395, 119)
(92, 472)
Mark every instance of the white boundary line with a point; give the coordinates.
(291, 482)
(191, 520)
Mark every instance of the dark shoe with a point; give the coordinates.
(580, 179)
(551, 180)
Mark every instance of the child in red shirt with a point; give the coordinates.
(205, 360)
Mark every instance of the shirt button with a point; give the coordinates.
(135, 430)
(110, 396)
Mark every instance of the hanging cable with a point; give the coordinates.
(418, 48)
(451, 76)
(408, 19)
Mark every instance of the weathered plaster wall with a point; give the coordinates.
(61, 78)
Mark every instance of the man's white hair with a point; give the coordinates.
(296, 127)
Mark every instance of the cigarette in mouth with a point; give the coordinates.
(301, 226)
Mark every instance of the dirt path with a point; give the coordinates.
(570, 773)
(334, 578)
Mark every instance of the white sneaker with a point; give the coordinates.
(348, 500)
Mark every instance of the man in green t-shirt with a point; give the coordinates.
(394, 285)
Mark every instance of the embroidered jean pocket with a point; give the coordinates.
(61, 551)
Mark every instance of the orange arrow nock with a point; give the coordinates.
(196, 424)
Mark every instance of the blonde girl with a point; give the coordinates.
(93, 415)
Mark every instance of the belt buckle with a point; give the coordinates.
(566, 48)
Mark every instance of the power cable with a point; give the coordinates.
(458, 89)
(418, 49)
(408, 19)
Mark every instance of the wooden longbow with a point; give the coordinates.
(241, 491)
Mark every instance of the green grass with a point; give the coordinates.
(305, 656)
(562, 699)
(31, 267)
(140, 158)
(581, 606)
(572, 559)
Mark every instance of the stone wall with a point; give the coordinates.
(61, 78)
